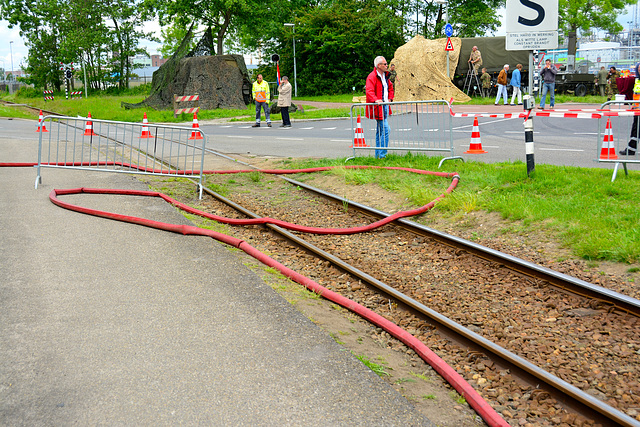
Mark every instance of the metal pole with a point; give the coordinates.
(446, 12)
(11, 49)
(295, 72)
(528, 145)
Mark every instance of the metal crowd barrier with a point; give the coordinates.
(121, 147)
(615, 130)
(419, 126)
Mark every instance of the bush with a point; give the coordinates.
(29, 92)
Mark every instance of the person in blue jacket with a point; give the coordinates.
(515, 83)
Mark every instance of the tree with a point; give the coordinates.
(581, 15)
(218, 15)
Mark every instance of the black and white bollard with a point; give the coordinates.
(528, 102)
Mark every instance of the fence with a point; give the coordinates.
(110, 146)
(618, 131)
(419, 126)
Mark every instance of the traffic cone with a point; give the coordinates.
(145, 128)
(476, 145)
(358, 137)
(88, 129)
(608, 150)
(195, 134)
(41, 126)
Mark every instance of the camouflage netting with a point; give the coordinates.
(421, 65)
(222, 81)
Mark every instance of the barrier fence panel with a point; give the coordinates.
(110, 146)
(419, 126)
(618, 134)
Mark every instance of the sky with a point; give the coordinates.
(20, 51)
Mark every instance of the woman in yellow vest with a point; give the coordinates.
(261, 95)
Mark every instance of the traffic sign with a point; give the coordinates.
(449, 46)
(448, 30)
(531, 24)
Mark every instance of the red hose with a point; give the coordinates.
(488, 414)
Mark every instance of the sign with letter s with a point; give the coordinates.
(531, 16)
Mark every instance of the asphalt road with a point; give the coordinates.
(558, 141)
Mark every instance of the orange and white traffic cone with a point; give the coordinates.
(608, 150)
(195, 134)
(41, 126)
(145, 128)
(476, 144)
(88, 129)
(358, 137)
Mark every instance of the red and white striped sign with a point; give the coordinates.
(48, 95)
(187, 98)
(187, 110)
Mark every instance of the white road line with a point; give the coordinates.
(585, 133)
(518, 132)
(432, 130)
(483, 146)
(238, 136)
(340, 140)
(560, 149)
(334, 128)
(245, 127)
(403, 130)
(291, 139)
(226, 126)
(307, 128)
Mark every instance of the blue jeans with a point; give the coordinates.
(382, 133)
(551, 88)
(502, 92)
(267, 113)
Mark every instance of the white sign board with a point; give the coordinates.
(531, 24)
(532, 41)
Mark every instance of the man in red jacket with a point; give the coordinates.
(379, 91)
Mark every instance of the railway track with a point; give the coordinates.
(534, 360)
(542, 347)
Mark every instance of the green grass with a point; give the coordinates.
(375, 367)
(560, 99)
(581, 207)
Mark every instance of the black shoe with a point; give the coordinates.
(627, 152)
(268, 125)
(283, 126)
(257, 125)
(287, 126)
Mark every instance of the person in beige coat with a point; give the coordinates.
(284, 101)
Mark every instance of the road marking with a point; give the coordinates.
(484, 146)
(434, 130)
(340, 140)
(560, 149)
(518, 132)
(403, 130)
(238, 136)
(329, 128)
(245, 127)
(226, 126)
(585, 133)
(307, 128)
(291, 139)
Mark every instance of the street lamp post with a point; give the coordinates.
(11, 50)
(295, 73)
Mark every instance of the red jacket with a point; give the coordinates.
(375, 92)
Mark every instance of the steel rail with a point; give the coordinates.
(559, 280)
(569, 395)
